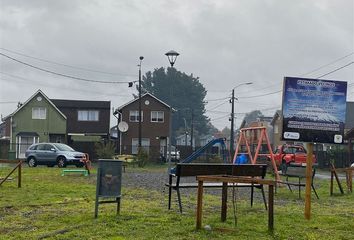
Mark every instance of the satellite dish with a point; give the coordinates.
(123, 126)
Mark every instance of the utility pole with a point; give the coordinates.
(192, 126)
(232, 123)
(139, 114)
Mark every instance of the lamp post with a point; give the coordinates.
(233, 116)
(172, 57)
(139, 114)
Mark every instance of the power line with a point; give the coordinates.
(216, 106)
(27, 81)
(335, 70)
(66, 65)
(327, 64)
(217, 99)
(262, 95)
(7, 102)
(63, 75)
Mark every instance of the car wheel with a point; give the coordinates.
(32, 162)
(61, 162)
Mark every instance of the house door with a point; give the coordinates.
(163, 146)
(23, 143)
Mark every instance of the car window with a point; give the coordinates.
(63, 147)
(48, 147)
(41, 147)
(34, 147)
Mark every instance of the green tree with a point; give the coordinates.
(184, 93)
(252, 116)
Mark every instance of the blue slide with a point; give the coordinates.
(201, 150)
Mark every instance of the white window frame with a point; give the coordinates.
(145, 144)
(88, 115)
(156, 118)
(134, 116)
(39, 113)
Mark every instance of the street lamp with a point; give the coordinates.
(172, 57)
(233, 115)
(139, 143)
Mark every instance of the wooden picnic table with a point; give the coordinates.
(232, 179)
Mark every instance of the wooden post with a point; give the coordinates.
(331, 186)
(19, 173)
(199, 204)
(271, 208)
(224, 202)
(308, 180)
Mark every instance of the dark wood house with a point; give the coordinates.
(87, 122)
(155, 125)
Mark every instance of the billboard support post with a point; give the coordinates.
(309, 159)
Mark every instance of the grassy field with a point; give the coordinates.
(49, 206)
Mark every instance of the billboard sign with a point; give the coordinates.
(313, 110)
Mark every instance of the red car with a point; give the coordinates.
(287, 154)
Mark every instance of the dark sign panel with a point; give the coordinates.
(313, 110)
(109, 178)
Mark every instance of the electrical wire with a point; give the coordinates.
(30, 81)
(63, 75)
(217, 106)
(337, 60)
(335, 70)
(66, 65)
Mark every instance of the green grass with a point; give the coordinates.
(49, 206)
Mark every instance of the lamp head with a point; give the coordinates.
(172, 56)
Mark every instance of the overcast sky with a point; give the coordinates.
(223, 42)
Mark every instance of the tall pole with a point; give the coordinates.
(139, 114)
(192, 126)
(232, 122)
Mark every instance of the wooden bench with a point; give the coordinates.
(197, 169)
(299, 172)
(83, 171)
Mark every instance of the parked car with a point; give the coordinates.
(175, 154)
(287, 154)
(51, 154)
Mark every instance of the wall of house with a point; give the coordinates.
(150, 129)
(53, 124)
(75, 126)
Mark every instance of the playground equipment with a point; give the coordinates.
(202, 150)
(18, 166)
(197, 154)
(256, 135)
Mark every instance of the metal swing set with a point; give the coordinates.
(251, 135)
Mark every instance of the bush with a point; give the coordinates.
(142, 157)
(105, 150)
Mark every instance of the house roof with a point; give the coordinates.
(146, 94)
(62, 103)
(349, 116)
(28, 100)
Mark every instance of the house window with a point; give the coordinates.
(87, 115)
(145, 144)
(39, 113)
(157, 116)
(134, 116)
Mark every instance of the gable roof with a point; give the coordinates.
(146, 94)
(62, 103)
(33, 96)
